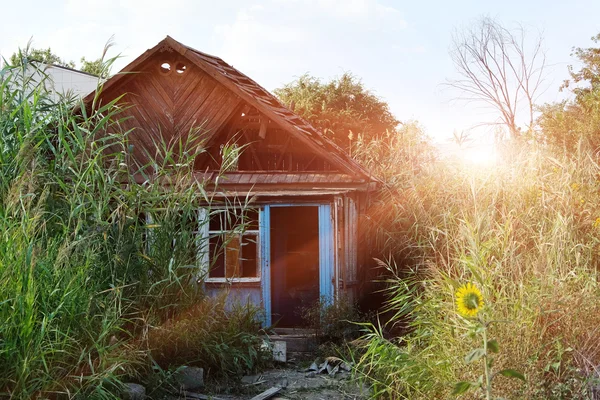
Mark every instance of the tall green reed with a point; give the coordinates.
(85, 273)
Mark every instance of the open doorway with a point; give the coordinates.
(294, 263)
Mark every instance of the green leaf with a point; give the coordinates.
(511, 373)
(474, 355)
(461, 387)
(493, 345)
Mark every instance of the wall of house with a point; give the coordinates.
(346, 239)
(238, 294)
(337, 249)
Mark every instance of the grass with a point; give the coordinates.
(527, 232)
(86, 275)
(99, 273)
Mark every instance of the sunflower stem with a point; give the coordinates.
(488, 382)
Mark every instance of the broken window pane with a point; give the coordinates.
(232, 257)
(234, 254)
(225, 220)
(217, 257)
(249, 256)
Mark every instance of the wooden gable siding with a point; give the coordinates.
(320, 154)
(267, 146)
(164, 106)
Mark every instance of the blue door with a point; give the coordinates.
(297, 259)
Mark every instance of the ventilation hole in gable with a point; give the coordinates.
(165, 68)
(180, 68)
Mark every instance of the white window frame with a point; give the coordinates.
(205, 234)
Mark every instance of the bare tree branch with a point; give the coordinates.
(498, 68)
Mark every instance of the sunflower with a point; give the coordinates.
(469, 300)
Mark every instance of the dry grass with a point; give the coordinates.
(525, 231)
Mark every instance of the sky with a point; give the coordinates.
(399, 49)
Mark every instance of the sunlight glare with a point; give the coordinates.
(484, 155)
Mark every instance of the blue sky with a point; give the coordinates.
(398, 48)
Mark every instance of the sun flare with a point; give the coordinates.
(483, 155)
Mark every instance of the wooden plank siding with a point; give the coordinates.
(200, 91)
(165, 107)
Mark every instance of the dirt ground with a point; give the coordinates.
(295, 384)
(298, 385)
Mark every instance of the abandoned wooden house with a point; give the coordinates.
(301, 243)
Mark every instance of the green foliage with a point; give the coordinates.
(334, 323)
(397, 159)
(44, 55)
(479, 327)
(94, 67)
(573, 125)
(98, 67)
(222, 341)
(402, 367)
(85, 274)
(589, 74)
(342, 108)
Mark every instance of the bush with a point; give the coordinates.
(223, 342)
(334, 323)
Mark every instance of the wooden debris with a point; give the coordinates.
(250, 380)
(267, 394)
(198, 396)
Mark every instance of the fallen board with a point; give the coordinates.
(192, 395)
(267, 394)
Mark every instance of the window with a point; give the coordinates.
(233, 246)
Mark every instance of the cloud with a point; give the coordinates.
(76, 28)
(409, 49)
(294, 35)
(361, 10)
(270, 40)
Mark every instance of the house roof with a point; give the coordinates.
(66, 68)
(255, 95)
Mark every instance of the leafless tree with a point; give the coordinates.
(500, 69)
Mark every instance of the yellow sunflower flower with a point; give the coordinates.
(469, 300)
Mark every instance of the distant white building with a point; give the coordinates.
(68, 81)
(63, 81)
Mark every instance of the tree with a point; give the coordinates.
(342, 108)
(574, 123)
(498, 69)
(99, 67)
(44, 55)
(96, 67)
(588, 75)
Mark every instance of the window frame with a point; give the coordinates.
(205, 234)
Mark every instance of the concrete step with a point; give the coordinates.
(297, 341)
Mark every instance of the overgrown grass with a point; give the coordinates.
(95, 250)
(200, 337)
(526, 231)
